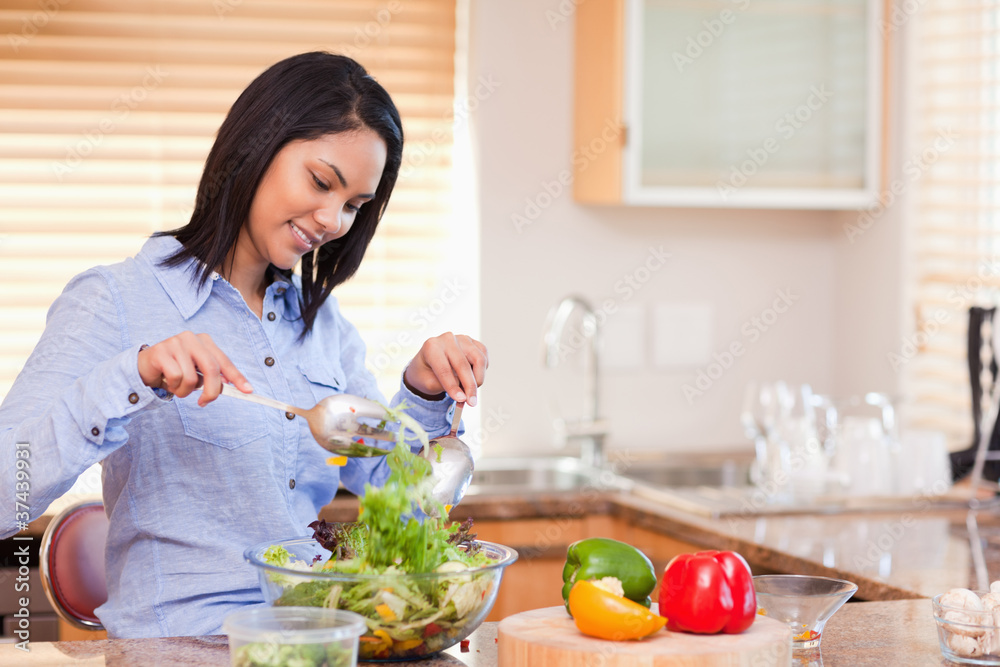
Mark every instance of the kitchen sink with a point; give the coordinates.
(529, 475)
(711, 485)
(525, 475)
(723, 473)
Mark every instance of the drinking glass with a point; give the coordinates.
(789, 440)
(761, 415)
(798, 430)
(865, 445)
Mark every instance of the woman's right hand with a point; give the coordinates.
(175, 363)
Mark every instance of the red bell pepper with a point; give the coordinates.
(708, 592)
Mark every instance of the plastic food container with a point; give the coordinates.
(965, 636)
(408, 616)
(300, 636)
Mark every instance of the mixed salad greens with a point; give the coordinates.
(400, 531)
(272, 654)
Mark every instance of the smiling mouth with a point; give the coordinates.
(302, 235)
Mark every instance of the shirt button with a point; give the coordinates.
(270, 317)
(269, 361)
(133, 398)
(95, 431)
(280, 290)
(289, 416)
(291, 484)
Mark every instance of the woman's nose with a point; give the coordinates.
(328, 217)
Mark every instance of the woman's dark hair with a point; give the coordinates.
(301, 98)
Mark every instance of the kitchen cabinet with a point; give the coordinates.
(69, 633)
(535, 580)
(729, 103)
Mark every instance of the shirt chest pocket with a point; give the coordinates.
(226, 422)
(324, 378)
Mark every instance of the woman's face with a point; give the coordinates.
(310, 194)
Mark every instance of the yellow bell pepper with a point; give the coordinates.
(379, 646)
(407, 645)
(386, 612)
(600, 613)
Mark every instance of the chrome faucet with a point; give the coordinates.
(590, 430)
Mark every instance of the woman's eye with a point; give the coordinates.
(320, 184)
(351, 207)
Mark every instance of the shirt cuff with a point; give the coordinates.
(427, 397)
(117, 394)
(433, 415)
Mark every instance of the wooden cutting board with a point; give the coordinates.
(549, 638)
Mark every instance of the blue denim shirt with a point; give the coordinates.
(186, 488)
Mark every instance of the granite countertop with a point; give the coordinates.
(898, 632)
(915, 553)
(889, 555)
(205, 652)
(898, 558)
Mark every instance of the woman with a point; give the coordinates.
(302, 169)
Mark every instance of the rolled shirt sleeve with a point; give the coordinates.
(433, 416)
(187, 487)
(70, 404)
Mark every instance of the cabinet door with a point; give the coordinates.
(770, 103)
(535, 580)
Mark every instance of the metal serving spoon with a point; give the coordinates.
(334, 424)
(451, 464)
(333, 421)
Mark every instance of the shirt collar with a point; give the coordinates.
(181, 282)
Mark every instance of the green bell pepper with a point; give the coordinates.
(599, 557)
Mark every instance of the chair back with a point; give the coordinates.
(72, 563)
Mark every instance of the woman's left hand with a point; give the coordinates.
(449, 363)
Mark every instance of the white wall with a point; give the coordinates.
(833, 336)
(875, 282)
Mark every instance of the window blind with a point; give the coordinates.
(956, 162)
(108, 109)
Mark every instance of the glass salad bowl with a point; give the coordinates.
(408, 615)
